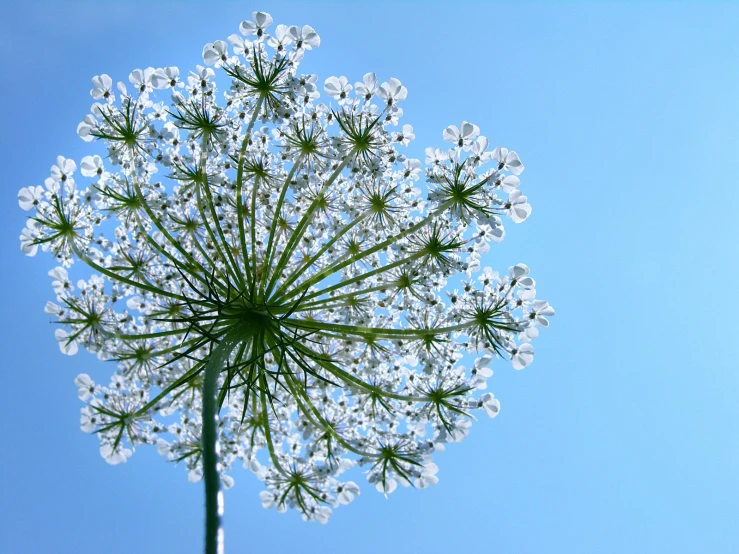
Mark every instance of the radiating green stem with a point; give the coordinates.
(145, 285)
(240, 186)
(162, 229)
(273, 234)
(309, 263)
(378, 332)
(301, 227)
(335, 370)
(321, 275)
(363, 276)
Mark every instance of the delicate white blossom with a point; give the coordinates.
(293, 238)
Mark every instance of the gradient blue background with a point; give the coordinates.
(622, 437)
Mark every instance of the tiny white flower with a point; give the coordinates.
(405, 136)
(215, 53)
(392, 91)
(386, 486)
(86, 386)
(537, 312)
(462, 136)
(92, 166)
(305, 37)
(490, 404)
(518, 207)
(522, 356)
(166, 77)
(508, 160)
(67, 345)
(102, 88)
(141, 79)
(368, 87)
(520, 274)
(28, 197)
(86, 127)
(63, 170)
(115, 455)
(61, 283)
(428, 476)
(88, 419)
(346, 492)
(227, 482)
(257, 27)
(338, 88)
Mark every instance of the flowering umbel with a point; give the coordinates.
(283, 247)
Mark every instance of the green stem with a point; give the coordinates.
(310, 411)
(211, 234)
(273, 235)
(357, 278)
(253, 233)
(120, 278)
(296, 275)
(163, 251)
(300, 229)
(378, 332)
(321, 275)
(335, 370)
(266, 428)
(226, 253)
(209, 443)
(325, 303)
(162, 229)
(240, 186)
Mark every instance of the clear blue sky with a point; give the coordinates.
(622, 437)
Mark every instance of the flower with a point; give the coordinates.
(257, 27)
(392, 91)
(28, 197)
(490, 404)
(464, 136)
(338, 88)
(368, 87)
(522, 356)
(508, 160)
(272, 260)
(103, 88)
(63, 169)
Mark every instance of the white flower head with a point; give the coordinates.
(273, 258)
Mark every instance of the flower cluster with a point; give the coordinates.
(289, 240)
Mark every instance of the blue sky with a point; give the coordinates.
(623, 436)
